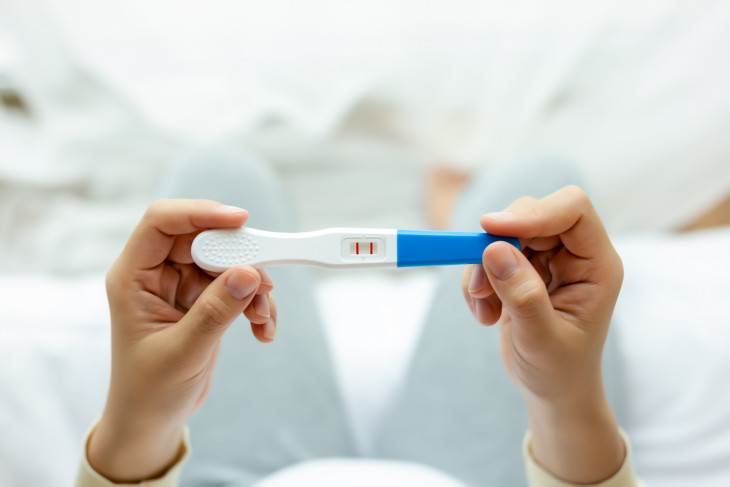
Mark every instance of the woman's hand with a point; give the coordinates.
(168, 317)
(554, 302)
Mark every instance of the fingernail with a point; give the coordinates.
(229, 209)
(270, 329)
(497, 216)
(478, 276)
(240, 284)
(501, 261)
(261, 305)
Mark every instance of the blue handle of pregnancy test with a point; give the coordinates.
(425, 248)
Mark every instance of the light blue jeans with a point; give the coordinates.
(271, 406)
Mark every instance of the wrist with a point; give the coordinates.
(576, 439)
(131, 451)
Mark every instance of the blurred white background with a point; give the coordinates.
(350, 98)
(344, 96)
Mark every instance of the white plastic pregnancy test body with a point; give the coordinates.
(217, 250)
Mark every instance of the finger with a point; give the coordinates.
(484, 305)
(154, 237)
(180, 251)
(267, 284)
(258, 312)
(479, 286)
(191, 286)
(487, 311)
(542, 263)
(216, 308)
(566, 269)
(542, 244)
(568, 213)
(465, 276)
(167, 284)
(518, 286)
(266, 332)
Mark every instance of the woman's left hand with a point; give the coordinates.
(168, 318)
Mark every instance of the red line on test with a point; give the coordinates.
(371, 248)
(357, 248)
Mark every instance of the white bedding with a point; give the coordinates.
(673, 320)
(351, 97)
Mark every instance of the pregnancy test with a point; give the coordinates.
(217, 250)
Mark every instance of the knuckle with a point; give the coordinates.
(529, 206)
(537, 209)
(524, 202)
(577, 194)
(156, 208)
(213, 314)
(528, 297)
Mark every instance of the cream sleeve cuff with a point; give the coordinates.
(88, 477)
(539, 477)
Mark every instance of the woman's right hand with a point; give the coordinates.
(554, 302)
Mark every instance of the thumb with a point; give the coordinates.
(517, 284)
(222, 302)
